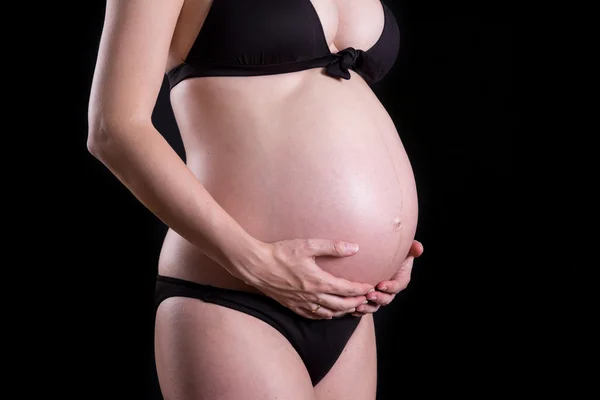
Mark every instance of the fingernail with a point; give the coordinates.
(352, 310)
(371, 290)
(383, 288)
(351, 247)
(366, 302)
(361, 308)
(373, 298)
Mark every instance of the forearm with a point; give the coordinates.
(147, 165)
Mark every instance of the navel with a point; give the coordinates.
(397, 223)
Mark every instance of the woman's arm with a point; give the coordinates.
(129, 72)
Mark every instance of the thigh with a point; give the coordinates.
(354, 375)
(207, 351)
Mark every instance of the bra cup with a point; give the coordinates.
(243, 38)
(380, 59)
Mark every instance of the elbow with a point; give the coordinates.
(110, 129)
(99, 135)
(96, 140)
(104, 134)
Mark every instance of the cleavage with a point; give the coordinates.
(350, 23)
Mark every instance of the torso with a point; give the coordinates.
(296, 155)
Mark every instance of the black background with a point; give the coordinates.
(450, 97)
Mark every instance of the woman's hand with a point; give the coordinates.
(287, 272)
(385, 291)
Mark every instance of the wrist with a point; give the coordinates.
(241, 257)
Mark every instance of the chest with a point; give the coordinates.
(350, 23)
(337, 23)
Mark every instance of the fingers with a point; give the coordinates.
(331, 284)
(416, 249)
(365, 309)
(343, 287)
(340, 303)
(400, 280)
(375, 300)
(380, 298)
(342, 293)
(326, 247)
(329, 306)
(387, 290)
(393, 286)
(335, 306)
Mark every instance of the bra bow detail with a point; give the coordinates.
(345, 60)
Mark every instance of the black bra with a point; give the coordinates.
(264, 37)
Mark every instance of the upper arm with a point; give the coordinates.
(132, 58)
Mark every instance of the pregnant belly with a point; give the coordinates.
(348, 196)
(343, 175)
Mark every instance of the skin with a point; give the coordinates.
(386, 291)
(281, 171)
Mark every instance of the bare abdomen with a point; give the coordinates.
(340, 173)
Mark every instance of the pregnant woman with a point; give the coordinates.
(290, 160)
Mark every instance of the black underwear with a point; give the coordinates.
(318, 342)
